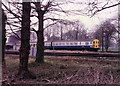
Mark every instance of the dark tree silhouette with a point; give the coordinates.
(4, 18)
(104, 33)
(41, 11)
(40, 38)
(25, 42)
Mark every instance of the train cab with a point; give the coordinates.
(96, 44)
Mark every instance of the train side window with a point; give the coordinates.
(87, 43)
(56, 44)
(70, 43)
(75, 43)
(67, 43)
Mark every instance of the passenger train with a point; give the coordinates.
(89, 45)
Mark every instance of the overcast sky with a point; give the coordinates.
(88, 21)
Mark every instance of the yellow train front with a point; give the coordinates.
(95, 45)
(89, 45)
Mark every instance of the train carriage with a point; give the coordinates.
(91, 45)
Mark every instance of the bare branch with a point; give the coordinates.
(13, 25)
(34, 30)
(103, 8)
(13, 31)
(14, 14)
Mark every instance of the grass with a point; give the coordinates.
(57, 67)
(13, 61)
(110, 49)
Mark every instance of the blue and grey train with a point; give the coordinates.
(89, 45)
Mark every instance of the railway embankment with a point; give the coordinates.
(82, 53)
(74, 53)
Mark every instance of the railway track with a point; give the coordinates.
(74, 53)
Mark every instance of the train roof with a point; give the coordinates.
(70, 40)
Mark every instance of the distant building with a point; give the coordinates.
(14, 40)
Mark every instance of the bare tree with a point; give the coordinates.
(41, 10)
(76, 31)
(14, 19)
(57, 30)
(25, 42)
(97, 6)
(105, 33)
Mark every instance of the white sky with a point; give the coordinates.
(86, 20)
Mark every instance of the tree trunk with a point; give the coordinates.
(107, 43)
(102, 38)
(40, 41)
(4, 18)
(25, 43)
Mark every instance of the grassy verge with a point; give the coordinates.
(58, 68)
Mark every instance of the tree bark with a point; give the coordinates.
(40, 37)
(25, 43)
(4, 18)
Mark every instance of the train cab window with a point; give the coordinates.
(98, 42)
